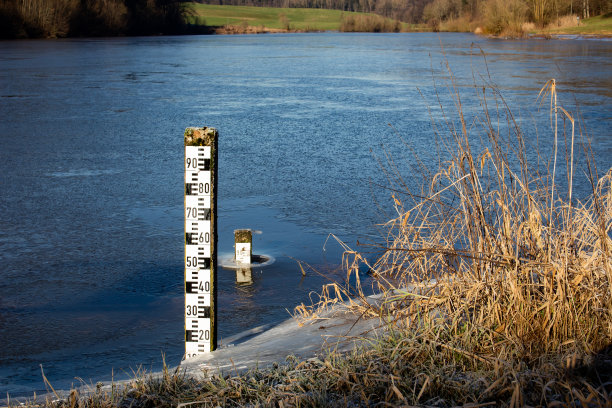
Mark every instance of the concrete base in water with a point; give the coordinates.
(336, 329)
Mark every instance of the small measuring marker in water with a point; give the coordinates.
(200, 240)
(243, 246)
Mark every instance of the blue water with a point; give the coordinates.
(91, 156)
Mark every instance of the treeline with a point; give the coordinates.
(76, 18)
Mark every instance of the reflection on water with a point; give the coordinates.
(91, 151)
(244, 276)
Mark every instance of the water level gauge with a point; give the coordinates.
(200, 240)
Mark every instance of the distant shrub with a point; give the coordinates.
(570, 20)
(504, 17)
(42, 18)
(100, 17)
(439, 11)
(62, 18)
(369, 24)
(309, 29)
(284, 22)
(459, 25)
(11, 22)
(528, 26)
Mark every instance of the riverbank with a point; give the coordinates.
(341, 356)
(338, 330)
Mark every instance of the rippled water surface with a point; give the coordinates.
(91, 171)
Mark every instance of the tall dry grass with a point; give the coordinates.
(493, 261)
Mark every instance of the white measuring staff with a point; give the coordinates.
(198, 235)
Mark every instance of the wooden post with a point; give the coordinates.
(200, 240)
(243, 245)
(243, 250)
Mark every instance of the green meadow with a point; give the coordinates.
(299, 19)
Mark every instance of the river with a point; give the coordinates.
(91, 156)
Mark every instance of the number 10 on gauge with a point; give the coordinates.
(199, 334)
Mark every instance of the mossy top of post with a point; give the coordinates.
(204, 136)
(243, 236)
